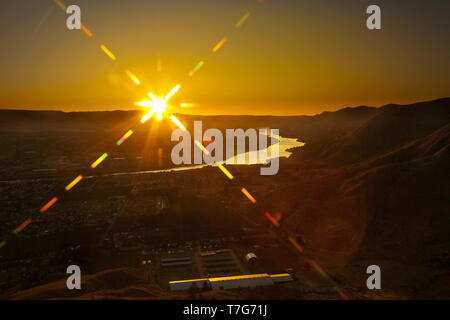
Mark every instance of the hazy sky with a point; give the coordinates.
(290, 57)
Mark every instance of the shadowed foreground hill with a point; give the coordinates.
(121, 283)
(137, 284)
(108, 283)
(389, 200)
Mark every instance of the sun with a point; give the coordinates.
(157, 105)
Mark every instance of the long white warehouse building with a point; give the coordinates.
(233, 282)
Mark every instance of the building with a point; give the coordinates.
(219, 264)
(176, 262)
(187, 284)
(244, 281)
(282, 277)
(233, 282)
(251, 258)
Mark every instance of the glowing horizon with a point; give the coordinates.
(157, 105)
(310, 57)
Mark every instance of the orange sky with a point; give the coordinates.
(290, 57)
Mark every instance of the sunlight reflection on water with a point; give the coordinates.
(283, 145)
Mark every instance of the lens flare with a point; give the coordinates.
(74, 182)
(63, 7)
(172, 92)
(177, 122)
(147, 116)
(202, 147)
(159, 115)
(295, 243)
(48, 205)
(108, 52)
(197, 67)
(187, 105)
(152, 96)
(272, 219)
(242, 19)
(124, 137)
(22, 226)
(157, 105)
(220, 44)
(99, 160)
(226, 172)
(248, 195)
(86, 30)
(133, 77)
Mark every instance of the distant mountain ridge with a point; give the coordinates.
(316, 130)
(393, 127)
